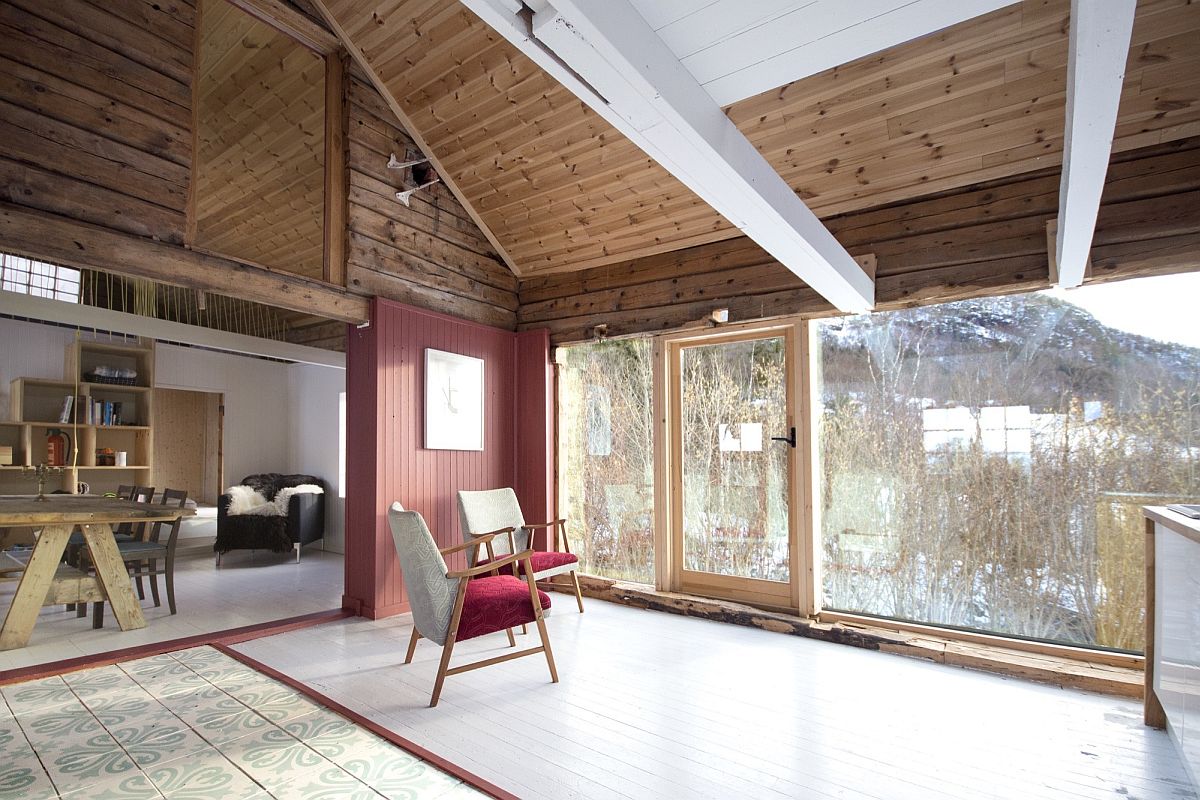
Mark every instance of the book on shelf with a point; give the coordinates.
(65, 414)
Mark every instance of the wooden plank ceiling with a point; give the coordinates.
(561, 190)
(260, 143)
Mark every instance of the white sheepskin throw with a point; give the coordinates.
(245, 500)
(284, 495)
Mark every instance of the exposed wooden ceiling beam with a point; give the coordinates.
(37, 234)
(1099, 46)
(289, 21)
(373, 75)
(608, 56)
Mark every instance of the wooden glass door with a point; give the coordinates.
(734, 464)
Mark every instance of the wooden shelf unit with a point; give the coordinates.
(36, 404)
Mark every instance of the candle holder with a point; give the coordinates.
(41, 472)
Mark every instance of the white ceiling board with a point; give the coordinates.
(660, 13)
(740, 48)
(724, 21)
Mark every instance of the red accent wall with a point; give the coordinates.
(385, 455)
(534, 479)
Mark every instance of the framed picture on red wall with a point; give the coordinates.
(453, 401)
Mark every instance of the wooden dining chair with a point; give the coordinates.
(141, 557)
(123, 532)
(452, 606)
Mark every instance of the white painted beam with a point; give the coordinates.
(1099, 46)
(93, 318)
(607, 55)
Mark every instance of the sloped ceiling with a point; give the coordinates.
(561, 190)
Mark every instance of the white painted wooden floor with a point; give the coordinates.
(247, 588)
(653, 705)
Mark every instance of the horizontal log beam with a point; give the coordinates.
(37, 234)
(981, 242)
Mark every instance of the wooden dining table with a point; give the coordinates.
(44, 580)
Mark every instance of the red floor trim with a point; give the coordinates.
(231, 636)
(374, 727)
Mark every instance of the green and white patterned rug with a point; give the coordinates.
(200, 725)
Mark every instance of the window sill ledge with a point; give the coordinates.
(1075, 673)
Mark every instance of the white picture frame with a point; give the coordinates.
(453, 401)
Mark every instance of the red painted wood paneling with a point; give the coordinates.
(386, 458)
(535, 427)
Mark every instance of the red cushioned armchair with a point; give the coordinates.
(496, 511)
(450, 607)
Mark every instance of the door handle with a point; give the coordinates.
(790, 438)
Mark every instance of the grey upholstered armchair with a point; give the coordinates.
(449, 607)
(497, 511)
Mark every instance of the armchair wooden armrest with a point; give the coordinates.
(483, 538)
(524, 555)
(512, 541)
(496, 532)
(560, 528)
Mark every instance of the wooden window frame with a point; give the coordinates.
(667, 569)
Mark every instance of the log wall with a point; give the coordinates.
(429, 254)
(96, 147)
(985, 240)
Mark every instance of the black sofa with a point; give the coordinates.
(304, 523)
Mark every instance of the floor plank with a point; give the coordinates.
(654, 705)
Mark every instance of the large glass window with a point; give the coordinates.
(606, 457)
(983, 463)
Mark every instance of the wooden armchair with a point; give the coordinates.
(450, 607)
(496, 511)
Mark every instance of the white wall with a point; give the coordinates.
(30, 350)
(256, 403)
(279, 417)
(314, 441)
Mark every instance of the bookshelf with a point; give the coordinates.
(36, 406)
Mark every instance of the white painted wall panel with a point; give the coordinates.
(256, 403)
(314, 440)
(30, 350)
(1177, 640)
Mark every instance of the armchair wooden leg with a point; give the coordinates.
(541, 626)
(524, 630)
(81, 610)
(578, 592)
(97, 615)
(140, 588)
(412, 646)
(443, 665)
(511, 641)
(448, 647)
